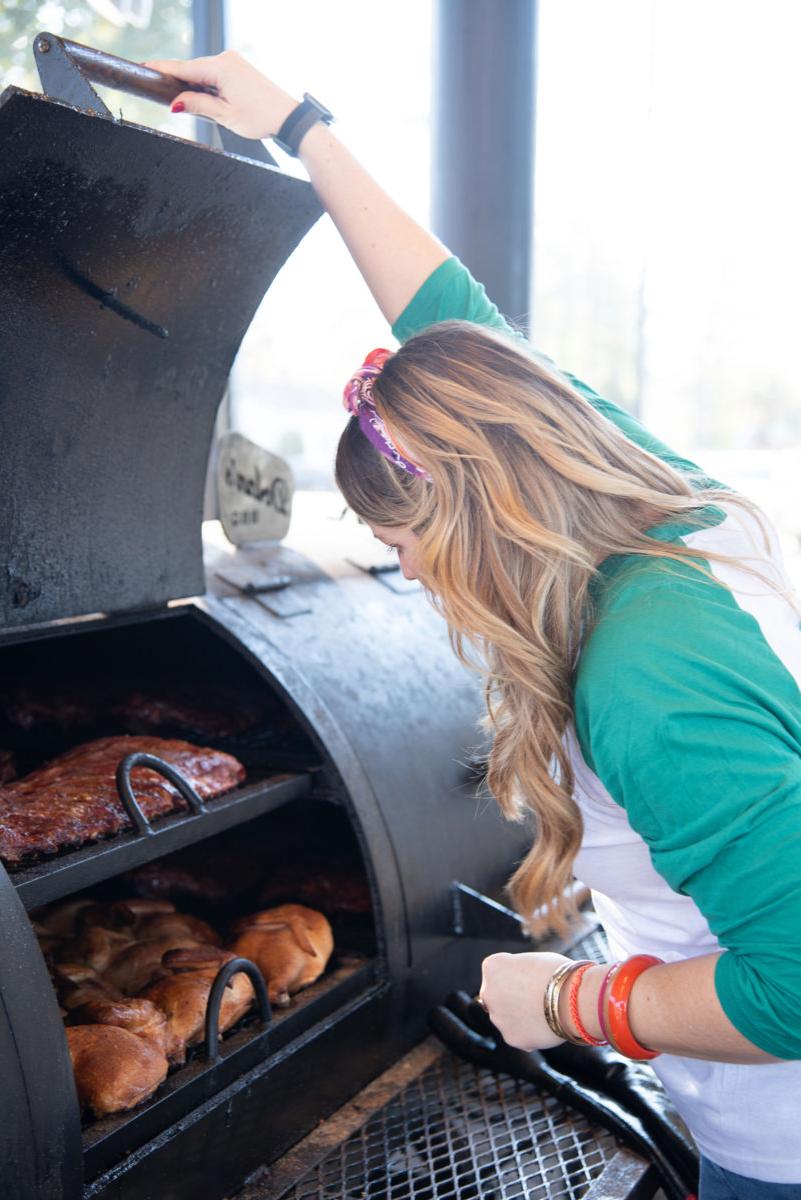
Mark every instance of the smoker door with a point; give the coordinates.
(40, 1148)
(131, 264)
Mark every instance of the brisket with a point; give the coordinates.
(74, 799)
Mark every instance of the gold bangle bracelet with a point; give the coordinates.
(553, 991)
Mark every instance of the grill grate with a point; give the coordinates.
(593, 944)
(458, 1132)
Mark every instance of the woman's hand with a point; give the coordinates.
(513, 993)
(246, 101)
(394, 254)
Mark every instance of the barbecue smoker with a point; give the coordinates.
(131, 264)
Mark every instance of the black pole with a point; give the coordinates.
(208, 27)
(483, 143)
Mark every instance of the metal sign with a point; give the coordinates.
(255, 490)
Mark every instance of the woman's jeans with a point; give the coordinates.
(718, 1184)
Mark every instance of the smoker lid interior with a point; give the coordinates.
(131, 264)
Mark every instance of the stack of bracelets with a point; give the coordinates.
(613, 1004)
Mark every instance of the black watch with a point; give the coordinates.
(299, 122)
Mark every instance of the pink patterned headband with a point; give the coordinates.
(358, 400)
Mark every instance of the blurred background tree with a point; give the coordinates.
(135, 29)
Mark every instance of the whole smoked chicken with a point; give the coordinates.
(134, 1014)
(140, 963)
(74, 798)
(114, 1069)
(290, 944)
(63, 919)
(96, 947)
(183, 995)
(77, 984)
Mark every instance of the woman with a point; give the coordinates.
(642, 656)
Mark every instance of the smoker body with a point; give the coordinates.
(131, 264)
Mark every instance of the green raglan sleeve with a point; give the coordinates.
(452, 294)
(693, 725)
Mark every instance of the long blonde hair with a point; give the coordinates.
(531, 488)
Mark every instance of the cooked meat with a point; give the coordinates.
(139, 963)
(74, 799)
(123, 915)
(95, 947)
(183, 995)
(63, 919)
(182, 882)
(219, 713)
(114, 1069)
(136, 1015)
(8, 768)
(134, 909)
(333, 888)
(199, 873)
(48, 941)
(144, 920)
(162, 925)
(290, 944)
(210, 712)
(76, 984)
(44, 705)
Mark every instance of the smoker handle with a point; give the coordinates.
(128, 799)
(119, 73)
(214, 1002)
(68, 70)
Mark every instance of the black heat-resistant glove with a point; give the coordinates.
(464, 1027)
(635, 1087)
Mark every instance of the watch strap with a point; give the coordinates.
(299, 122)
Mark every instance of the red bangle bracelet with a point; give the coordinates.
(572, 1000)
(617, 1006)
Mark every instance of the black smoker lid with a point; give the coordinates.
(131, 264)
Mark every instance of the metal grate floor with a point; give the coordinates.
(461, 1133)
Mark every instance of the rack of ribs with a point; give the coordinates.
(74, 798)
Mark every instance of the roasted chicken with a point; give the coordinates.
(114, 1068)
(135, 1014)
(183, 995)
(77, 984)
(290, 944)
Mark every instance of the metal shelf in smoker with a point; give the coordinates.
(71, 871)
(107, 1141)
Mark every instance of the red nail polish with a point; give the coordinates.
(177, 106)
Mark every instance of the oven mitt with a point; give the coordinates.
(464, 1027)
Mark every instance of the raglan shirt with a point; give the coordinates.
(686, 747)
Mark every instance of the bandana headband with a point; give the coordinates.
(358, 400)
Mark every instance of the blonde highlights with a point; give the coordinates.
(531, 489)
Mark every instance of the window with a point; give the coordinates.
(134, 29)
(371, 65)
(667, 203)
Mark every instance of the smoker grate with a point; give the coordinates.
(459, 1132)
(592, 944)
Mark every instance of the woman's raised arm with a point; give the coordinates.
(394, 254)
